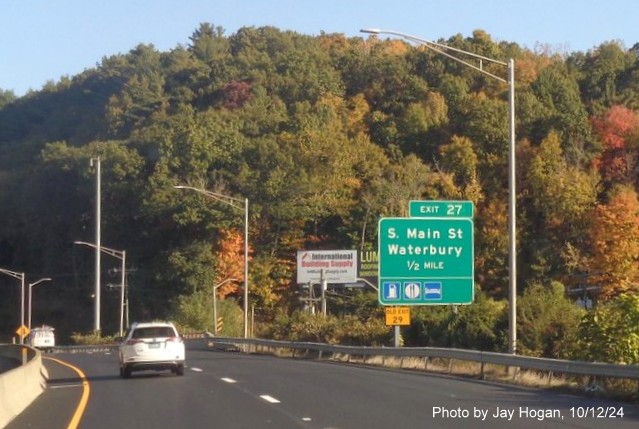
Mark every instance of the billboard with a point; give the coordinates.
(337, 266)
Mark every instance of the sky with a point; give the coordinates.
(44, 40)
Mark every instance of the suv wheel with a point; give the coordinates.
(179, 370)
(125, 371)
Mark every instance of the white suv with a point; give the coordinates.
(153, 345)
(42, 338)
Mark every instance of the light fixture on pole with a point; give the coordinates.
(19, 276)
(46, 279)
(121, 255)
(233, 202)
(512, 232)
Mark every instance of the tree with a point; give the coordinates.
(475, 326)
(491, 247)
(618, 130)
(208, 43)
(236, 94)
(270, 281)
(417, 119)
(547, 321)
(323, 135)
(614, 243)
(610, 333)
(562, 193)
(562, 111)
(483, 122)
(6, 97)
(559, 198)
(604, 66)
(229, 262)
(459, 158)
(141, 96)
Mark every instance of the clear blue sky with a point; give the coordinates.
(43, 40)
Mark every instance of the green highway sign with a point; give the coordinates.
(426, 261)
(443, 209)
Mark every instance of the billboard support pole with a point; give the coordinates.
(324, 285)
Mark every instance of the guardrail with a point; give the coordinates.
(483, 358)
(557, 366)
(21, 385)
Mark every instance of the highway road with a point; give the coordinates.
(233, 390)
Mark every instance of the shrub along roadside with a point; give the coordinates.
(346, 330)
(194, 314)
(477, 326)
(610, 333)
(547, 322)
(548, 325)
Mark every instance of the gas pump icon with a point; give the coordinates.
(391, 290)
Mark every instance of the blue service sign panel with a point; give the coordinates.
(426, 292)
(426, 261)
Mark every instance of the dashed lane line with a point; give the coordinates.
(270, 399)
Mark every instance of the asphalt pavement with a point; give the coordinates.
(233, 390)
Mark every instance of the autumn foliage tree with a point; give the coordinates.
(324, 136)
(229, 262)
(614, 241)
(617, 129)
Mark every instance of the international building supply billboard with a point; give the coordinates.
(336, 266)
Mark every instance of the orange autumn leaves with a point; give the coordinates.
(614, 229)
(618, 131)
(614, 238)
(230, 262)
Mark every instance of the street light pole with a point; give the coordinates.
(512, 212)
(98, 215)
(512, 226)
(121, 255)
(19, 276)
(30, 293)
(122, 291)
(233, 202)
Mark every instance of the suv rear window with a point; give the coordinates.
(153, 332)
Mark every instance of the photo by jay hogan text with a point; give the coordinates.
(523, 412)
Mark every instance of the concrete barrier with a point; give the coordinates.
(20, 386)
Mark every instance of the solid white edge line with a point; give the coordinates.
(64, 386)
(270, 399)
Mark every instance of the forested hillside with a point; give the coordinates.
(324, 135)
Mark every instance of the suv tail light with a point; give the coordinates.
(174, 340)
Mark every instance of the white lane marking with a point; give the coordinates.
(228, 380)
(196, 369)
(306, 419)
(64, 386)
(270, 399)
